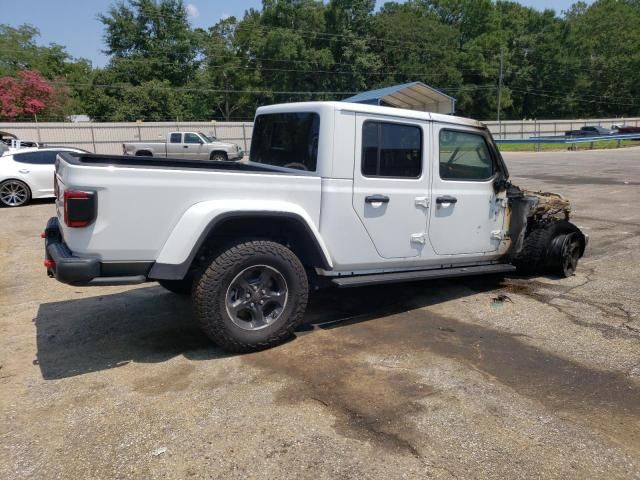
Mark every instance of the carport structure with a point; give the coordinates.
(412, 96)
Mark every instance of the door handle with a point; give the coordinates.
(446, 199)
(185, 146)
(377, 198)
(24, 170)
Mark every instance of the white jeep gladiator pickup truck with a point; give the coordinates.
(189, 145)
(333, 193)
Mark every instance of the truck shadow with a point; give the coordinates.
(150, 325)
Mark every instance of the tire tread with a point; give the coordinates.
(207, 289)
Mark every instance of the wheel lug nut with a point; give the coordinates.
(248, 295)
(261, 302)
(264, 291)
(253, 304)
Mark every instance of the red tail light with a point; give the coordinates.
(79, 208)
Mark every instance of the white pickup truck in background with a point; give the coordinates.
(334, 193)
(188, 145)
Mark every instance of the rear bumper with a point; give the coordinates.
(65, 267)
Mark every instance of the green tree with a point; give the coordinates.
(605, 40)
(415, 46)
(150, 40)
(19, 52)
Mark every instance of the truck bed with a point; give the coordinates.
(140, 200)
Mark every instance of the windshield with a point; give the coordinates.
(207, 138)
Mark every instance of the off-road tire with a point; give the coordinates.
(531, 258)
(535, 254)
(181, 287)
(210, 296)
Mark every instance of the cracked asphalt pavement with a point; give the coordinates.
(423, 380)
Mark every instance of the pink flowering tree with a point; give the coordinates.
(26, 95)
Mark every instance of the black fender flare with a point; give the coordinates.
(163, 271)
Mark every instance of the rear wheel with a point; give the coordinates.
(252, 296)
(14, 193)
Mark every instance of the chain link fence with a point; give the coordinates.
(107, 138)
(522, 129)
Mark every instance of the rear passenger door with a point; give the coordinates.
(390, 184)
(467, 215)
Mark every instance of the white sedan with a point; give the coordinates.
(27, 173)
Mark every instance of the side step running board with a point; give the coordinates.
(396, 277)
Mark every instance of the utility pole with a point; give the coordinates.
(500, 89)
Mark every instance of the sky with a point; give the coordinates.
(74, 23)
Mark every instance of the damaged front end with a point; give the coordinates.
(542, 237)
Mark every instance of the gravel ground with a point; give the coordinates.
(432, 379)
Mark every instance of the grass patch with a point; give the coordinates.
(548, 147)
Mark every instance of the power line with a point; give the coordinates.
(211, 90)
(266, 92)
(198, 63)
(570, 95)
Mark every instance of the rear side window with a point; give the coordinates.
(175, 138)
(464, 156)
(39, 158)
(286, 140)
(391, 150)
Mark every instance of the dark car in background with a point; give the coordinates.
(626, 129)
(588, 131)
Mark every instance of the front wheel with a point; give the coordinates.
(252, 296)
(218, 157)
(554, 248)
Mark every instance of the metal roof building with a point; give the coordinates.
(412, 96)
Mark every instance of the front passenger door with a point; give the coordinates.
(467, 216)
(192, 146)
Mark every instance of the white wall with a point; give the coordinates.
(107, 138)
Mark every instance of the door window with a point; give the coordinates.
(175, 138)
(464, 156)
(391, 150)
(39, 158)
(192, 138)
